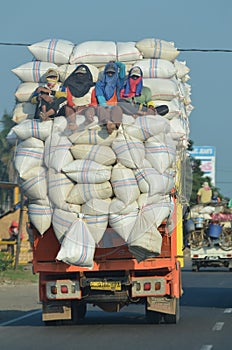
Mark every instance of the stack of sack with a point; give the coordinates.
(89, 185)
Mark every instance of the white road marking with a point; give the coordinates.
(206, 347)
(218, 326)
(20, 318)
(228, 311)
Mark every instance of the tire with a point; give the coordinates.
(173, 319)
(195, 268)
(53, 323)
(79, 310)
(153, 317)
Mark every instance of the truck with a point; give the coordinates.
(116, 280)
(211, 241)
(138, 166)
(212, 256)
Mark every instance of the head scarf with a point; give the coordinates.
(79, 83)
(133, 87)
(107, 85)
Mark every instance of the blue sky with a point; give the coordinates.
(203, 24)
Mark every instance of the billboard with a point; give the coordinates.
(207, 155)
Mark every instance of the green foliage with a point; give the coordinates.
(6, 261)
(23, 274)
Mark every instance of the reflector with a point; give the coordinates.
(147, 286)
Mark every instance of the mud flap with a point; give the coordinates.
(52, 311)
(162, 304)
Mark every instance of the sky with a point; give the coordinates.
(199, 24)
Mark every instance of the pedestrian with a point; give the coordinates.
(80, 87)
(13, 233)
(107, 94)
(215, 198)
(204, 194)
(51, 98)
(136, 99)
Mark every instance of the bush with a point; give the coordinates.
(6, 261)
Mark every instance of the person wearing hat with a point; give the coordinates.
(136, 99)
(107, 94)
(13, 233)
(204, 194)
(80, 86)
(50, 98)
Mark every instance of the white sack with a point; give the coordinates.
(181, 69)
(57, 151)
(148, 245)
(97, 225)
(126, 52)
(160, 155)
(61, 222)
(156, 68)
(174, 107)
(98, 153)
(94, 52)
(124, 184)
(33, 128)
(96, 206)
(130, 151)
(22, 111)
(178, 128)
(24, 91)
(33, 71)
(156, 48)
(40, 216)
(87, 171)
(59, 187)
(93, 136)
(147, 126)
(162, 89)
(52, 50)
(152, 182)
(36, 187)
(78, 246)
(123, 224)
(119, 207)
(82, 193)
(27, 158)
(31, 142)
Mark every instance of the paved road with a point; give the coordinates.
(206, 320)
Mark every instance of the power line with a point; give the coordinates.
(206, 50)
(14, 44)
(191, 50)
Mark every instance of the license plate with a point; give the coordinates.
(103, 285)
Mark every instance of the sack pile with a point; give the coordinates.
(92, 186)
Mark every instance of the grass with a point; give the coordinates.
(9, 275)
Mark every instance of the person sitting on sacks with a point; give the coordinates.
(50, 98)
(136, 99)
(106, 95)
(80, 85)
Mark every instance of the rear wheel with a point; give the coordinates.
(173, 318)
(78, 311)
(195, 268)
(153, 317)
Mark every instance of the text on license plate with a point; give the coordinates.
(103, 285)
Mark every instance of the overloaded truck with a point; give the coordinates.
(106, 209)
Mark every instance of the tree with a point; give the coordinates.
(5, 155)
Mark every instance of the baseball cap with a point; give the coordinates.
(52, 73)
(110, 68)
(136, 71)
(81, 69)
